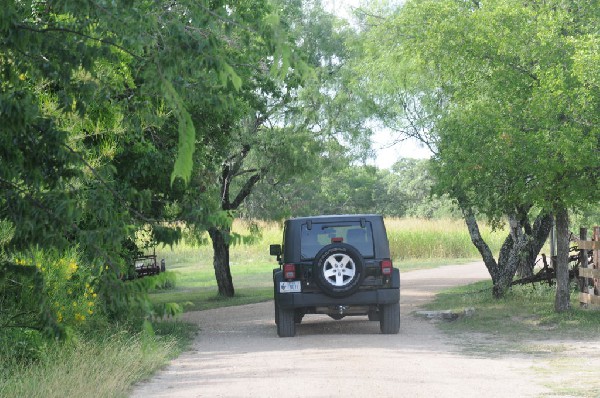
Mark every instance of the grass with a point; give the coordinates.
(525, 311)
(416, 264)
(196, 288)
(436, 239)
(524, 322)
(104, 365)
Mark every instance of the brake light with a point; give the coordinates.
(337, 240)
(289, 271)
(386, 267)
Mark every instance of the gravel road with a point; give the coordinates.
(238, 354)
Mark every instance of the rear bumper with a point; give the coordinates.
(361, 298)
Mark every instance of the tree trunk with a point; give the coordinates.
(537, 238)
(518, 247)
(484, 250)
(563, 292)
(219, 235)
(220, 243)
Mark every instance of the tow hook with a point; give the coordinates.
(341, 309)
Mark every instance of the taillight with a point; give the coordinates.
(289, 271)
(386, 267)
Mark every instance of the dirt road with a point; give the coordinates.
(238, 354)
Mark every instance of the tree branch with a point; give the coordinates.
(66, 30)
(245, 191)
(478, 241)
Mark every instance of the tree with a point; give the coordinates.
(498, 84)
(409, 191)
(98, 135)
(287, 125)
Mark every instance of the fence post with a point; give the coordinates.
(596, 255)
(583, 261)
(588, 293)
(553, 243)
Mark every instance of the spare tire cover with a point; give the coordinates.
(339, 269)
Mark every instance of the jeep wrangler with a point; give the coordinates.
(338, 265)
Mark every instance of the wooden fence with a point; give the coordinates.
(589, 268)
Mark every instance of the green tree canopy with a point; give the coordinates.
(504, 97)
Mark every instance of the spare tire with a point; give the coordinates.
(339, 269)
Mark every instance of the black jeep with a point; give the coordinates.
(336, 265)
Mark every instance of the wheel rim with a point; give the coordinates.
(339, 269)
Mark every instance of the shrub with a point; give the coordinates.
(44, 294)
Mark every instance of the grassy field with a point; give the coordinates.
(414, 244)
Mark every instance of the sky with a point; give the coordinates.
(388, 154)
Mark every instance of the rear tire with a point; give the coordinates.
(374, 315)
(286, 325)
(390, 318)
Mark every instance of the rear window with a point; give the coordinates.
(321, 234)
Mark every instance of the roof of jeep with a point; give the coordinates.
(292, 232)
(338, 217)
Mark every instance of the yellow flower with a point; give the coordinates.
(90, 304)
(59, 317)
(74, 304)
(73, 266)
(22, 76)
(90, 311)
(79, 317)
(94, 295)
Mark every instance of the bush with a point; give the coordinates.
(44, 294)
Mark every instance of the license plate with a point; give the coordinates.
(290, 287)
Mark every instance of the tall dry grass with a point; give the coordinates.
(413, 242)
(412, 238)
(105, 367)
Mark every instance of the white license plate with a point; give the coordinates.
(290, 287)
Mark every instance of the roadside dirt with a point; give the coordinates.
(238, 354)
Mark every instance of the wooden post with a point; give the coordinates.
(596, 255)
(583, 263)
(583, 258)
(589, 295)
(553, 244)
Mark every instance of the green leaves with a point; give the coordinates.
(506, 76)
(187, 134)
(228, 74)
